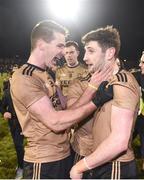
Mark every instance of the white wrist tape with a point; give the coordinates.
(86, 163)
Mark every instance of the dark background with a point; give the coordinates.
(17, 17)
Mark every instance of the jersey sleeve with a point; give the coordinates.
(126, 93)
(58, 83)
(75, 90)
(27, 91)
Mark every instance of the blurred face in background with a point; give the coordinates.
(71, 56)
(141, 64)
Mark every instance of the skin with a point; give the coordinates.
(71, 56)
(7, 115)
(92, 55)
(44, 53)
(141, 64)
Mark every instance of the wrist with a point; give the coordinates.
(77, 169)
(92, 86)
(86, 164)
(82, 166)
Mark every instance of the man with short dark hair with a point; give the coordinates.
(47, 153)
(112, 156)
(72, 69)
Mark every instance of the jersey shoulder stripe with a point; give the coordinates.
(122, 77)
(85, 78)
(28, 70)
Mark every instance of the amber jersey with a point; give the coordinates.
(66, 74)
(130, 101)
(29, 84)
(82, 140)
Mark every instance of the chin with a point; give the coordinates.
(91, 71)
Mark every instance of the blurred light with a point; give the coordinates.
(65, 9)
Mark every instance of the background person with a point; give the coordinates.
(9, 114)
(72, 69)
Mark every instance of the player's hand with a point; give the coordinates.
(103, 94)
(7, 115)
(99, 76)
(75, 174)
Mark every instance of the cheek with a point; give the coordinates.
(142, 66)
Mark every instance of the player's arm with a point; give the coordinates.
(59, 120)
(114, 144)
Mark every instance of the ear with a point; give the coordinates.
(41, 44)
(78, 53)
(110, 53)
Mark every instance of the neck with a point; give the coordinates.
(37, 60)
(115, 68)
(69, 65)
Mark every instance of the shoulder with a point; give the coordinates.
(124, 80)
(123, 77)
(84, 78)
(80, 82)
(83, 65)
(62, 69)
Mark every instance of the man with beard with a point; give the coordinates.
(112, 156)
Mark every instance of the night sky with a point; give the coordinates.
(17, 17)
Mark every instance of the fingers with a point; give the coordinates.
(99, 76)
(106, 72)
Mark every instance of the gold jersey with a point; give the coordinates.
(65, 75)
(82, 141)
(28, 85)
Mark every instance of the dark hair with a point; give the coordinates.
(45, 30)
(72, 43)
(106, 37)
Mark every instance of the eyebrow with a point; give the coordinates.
(69, 51)
(61, 45)
(88, 47)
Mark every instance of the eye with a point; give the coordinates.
(60, 45)
(90, 51)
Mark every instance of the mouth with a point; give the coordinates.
(89, 65)
(69, 59)
(58, 56)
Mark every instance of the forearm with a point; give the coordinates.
(106, 151)
(83, 99)
(69, 117)
(61, 120)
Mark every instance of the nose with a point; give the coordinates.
(140, 64)
(62, 51)
(85, 57)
